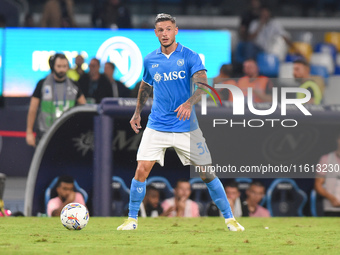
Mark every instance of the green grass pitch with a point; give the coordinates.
(204, 235)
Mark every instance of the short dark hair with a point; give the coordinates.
(64, 178)
(149, 188)
(251, 59)
(256, 183)
(53, 58)
(227, 69)
(97, 60)
(302, 61)
(111, 65)
(181, 180)
(164, 17)
(231, 184)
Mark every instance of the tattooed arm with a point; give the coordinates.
(184, 110)
(143, 95)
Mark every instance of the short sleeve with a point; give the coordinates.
(253, 26)
(195, 210)
(165, 205)
(37, 90)
(147, 78)
(278, 28)
(79, 198)
(52, 205)
(195, 63)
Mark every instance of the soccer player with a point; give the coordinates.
(172, 122)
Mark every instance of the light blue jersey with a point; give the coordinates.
(170, 78)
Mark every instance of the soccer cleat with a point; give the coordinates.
(129, 224)
(233, 225)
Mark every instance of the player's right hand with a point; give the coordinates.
(135, 123)
(30, 139)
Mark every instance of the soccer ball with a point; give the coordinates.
(74, 216)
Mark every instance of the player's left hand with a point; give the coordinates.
(184, 111)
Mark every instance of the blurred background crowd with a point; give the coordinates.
(296, 41)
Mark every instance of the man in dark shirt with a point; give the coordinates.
(118, 88)
(95, 85)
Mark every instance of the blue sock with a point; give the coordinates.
(137, 193)
(218, 195)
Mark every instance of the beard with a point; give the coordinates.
(166, 46)
(298, 80)
(60, 75)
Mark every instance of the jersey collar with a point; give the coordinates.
(179, 48)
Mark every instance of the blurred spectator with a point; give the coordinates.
(118, 88)
(262, 34)
(327, 181)
(226, 72)
(2, 21)
(255, 194)
(233, 195)
(29, 21)
(65, 195)
(115, 15)
(301, 72)
(180, 205)
(77, 71)
(51, 99)
(97, 7)
(95, 85)
(10, 11)
(58, 13)
(261, 85)
(151, 204)
(225, 75)
(247, 17)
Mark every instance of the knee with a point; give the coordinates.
(207, 176)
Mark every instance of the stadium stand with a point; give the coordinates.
(326, 48)
(316, 206)
(319, 70)
(304, 49)
(333, 38)
(285, 198)
(51, 191)
(243, 185)
(120, 196)
(332, 92)
(323, 59)
(200, 194)
(268, 64)
(306, 37)
(286, 70)
(163, 185)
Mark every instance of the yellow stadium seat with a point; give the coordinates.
(334, 38)
(303, 48)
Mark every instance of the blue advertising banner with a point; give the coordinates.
(1, 60)
(28, 51)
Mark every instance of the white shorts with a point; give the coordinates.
(189, 146)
